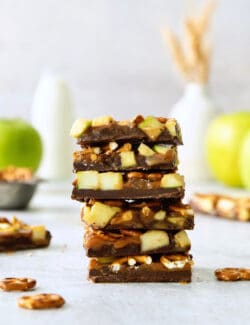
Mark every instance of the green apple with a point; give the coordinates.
(20, 144)
(223, 144)
(245, 161)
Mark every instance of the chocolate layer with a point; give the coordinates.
(151, 271)
(127, 242)
(112, 161)
(120, 214)
(127, 194)
(126, 132)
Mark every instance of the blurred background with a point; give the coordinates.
(112, 54)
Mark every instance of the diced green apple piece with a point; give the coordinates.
(88, 180)
(178, 221)
(160, 215)
(153, 239)
(99, 214)
(172, 180)
(102, 120)
(181, 239)
(152, 127)
(110, 181)
(161, 148)
(127, 159)
(79, 127)
(171, 126)
(145, 150)
(38, 233)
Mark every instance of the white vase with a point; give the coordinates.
(194, 111)
(52, 116)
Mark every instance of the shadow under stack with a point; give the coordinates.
(133, 215)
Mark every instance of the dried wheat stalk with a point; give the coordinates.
(193, 57)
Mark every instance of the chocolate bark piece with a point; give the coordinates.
(100, 243)
(168, 131)
(124, 160)
(127, 185)
(217, 205)
(16, 235)
(175, 268)
(137, 215)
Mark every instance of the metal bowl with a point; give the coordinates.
(16, 195)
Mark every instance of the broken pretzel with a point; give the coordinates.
(232, 274)
(227, 207)
(41, 301)
(17, 284)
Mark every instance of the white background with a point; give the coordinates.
(112, 54)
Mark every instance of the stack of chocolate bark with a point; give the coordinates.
(134, 219)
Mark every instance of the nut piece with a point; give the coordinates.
(143, 259)
(175, 261)
(17, 284)
(232, 274)
(41, 301)
(16, 174)
(153, 239)
(113, 145)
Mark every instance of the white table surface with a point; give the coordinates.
(62, 269)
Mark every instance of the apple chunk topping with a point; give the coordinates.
(79, 127)
(110, 181)
(171, 126)
(99, 214)
(181, 239)
(152, 127)
(127, 159)
(38, 233)
(88, 179)
(145, 150)
(153, 239)
(178, 221)
(172, 180)
(162, 148)
(93, 180)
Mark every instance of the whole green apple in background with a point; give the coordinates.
(245, 161)
(20, 144)
(223, 145)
